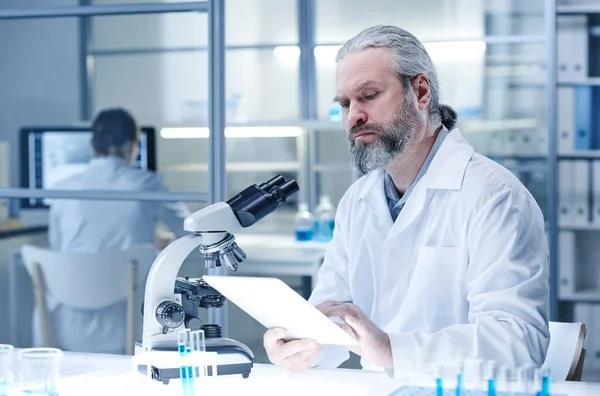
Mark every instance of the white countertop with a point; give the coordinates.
(93, 374)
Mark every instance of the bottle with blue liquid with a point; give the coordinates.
(335, 112)
(304, 224)
(325, 220)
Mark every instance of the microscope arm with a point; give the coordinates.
(159, 285)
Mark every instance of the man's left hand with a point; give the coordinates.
(373, 343)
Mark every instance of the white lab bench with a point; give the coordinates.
(268, 255)
(95, 374)
(277, 255)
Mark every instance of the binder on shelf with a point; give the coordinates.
(524, 142)
(566, 120)
(565, 193)
(572, 40)
(585, 130)
(566, 263)
(596, 192)
(581, 193)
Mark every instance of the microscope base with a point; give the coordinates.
(164, 375)
(233, 358)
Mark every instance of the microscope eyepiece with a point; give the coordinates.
(256, 202)
(276, 181)
(290, 187)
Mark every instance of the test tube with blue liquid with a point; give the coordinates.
(546, 380)
(460, 381)
(439, 380)
(541, 381)
(490, 378)
(184, 345)
(6, 363)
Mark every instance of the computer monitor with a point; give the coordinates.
(52, 154)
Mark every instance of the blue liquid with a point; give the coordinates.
(190, 369)
(492, 387)
(186, 372)
(324, 230)
(303, 234)
(459, 385)
(439, 391)
(3, 389)
(545, 386)
(335, 113)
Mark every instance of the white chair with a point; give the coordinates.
(565, 354)
(88, 282)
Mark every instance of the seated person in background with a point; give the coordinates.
(90, 226)
(439, 254)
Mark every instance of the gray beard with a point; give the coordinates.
(393, 138)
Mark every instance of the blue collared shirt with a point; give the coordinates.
(394, 201)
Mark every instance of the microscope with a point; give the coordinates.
(172, 304)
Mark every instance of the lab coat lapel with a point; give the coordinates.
(446, 172)
(373, 195)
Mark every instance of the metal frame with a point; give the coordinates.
(104, 195)
(85, 77)
(150, 51)
(552, 171)
(99, 10)
(516, 39)
(308, 95)
(216, 109)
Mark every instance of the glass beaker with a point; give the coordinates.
(6, 368)
(39, 372)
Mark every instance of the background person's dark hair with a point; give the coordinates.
(112, 130)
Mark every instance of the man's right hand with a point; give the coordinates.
(296, 355)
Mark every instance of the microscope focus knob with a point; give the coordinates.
(170, 314)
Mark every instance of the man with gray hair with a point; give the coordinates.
(439, 254)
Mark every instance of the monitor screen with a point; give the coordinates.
(52, 154)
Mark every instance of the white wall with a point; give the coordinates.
(39, 75)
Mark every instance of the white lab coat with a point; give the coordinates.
(462, 273)
(92, 226)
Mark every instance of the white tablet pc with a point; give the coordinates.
(274, 304)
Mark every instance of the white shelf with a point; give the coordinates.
(235, 167)
(516, 157)
(588, 81)
(580, 154)
(305, 124)
(326, 125)
(583, 227)
(582, 296)
(507, 124)
(333, 168)
(578, 9)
